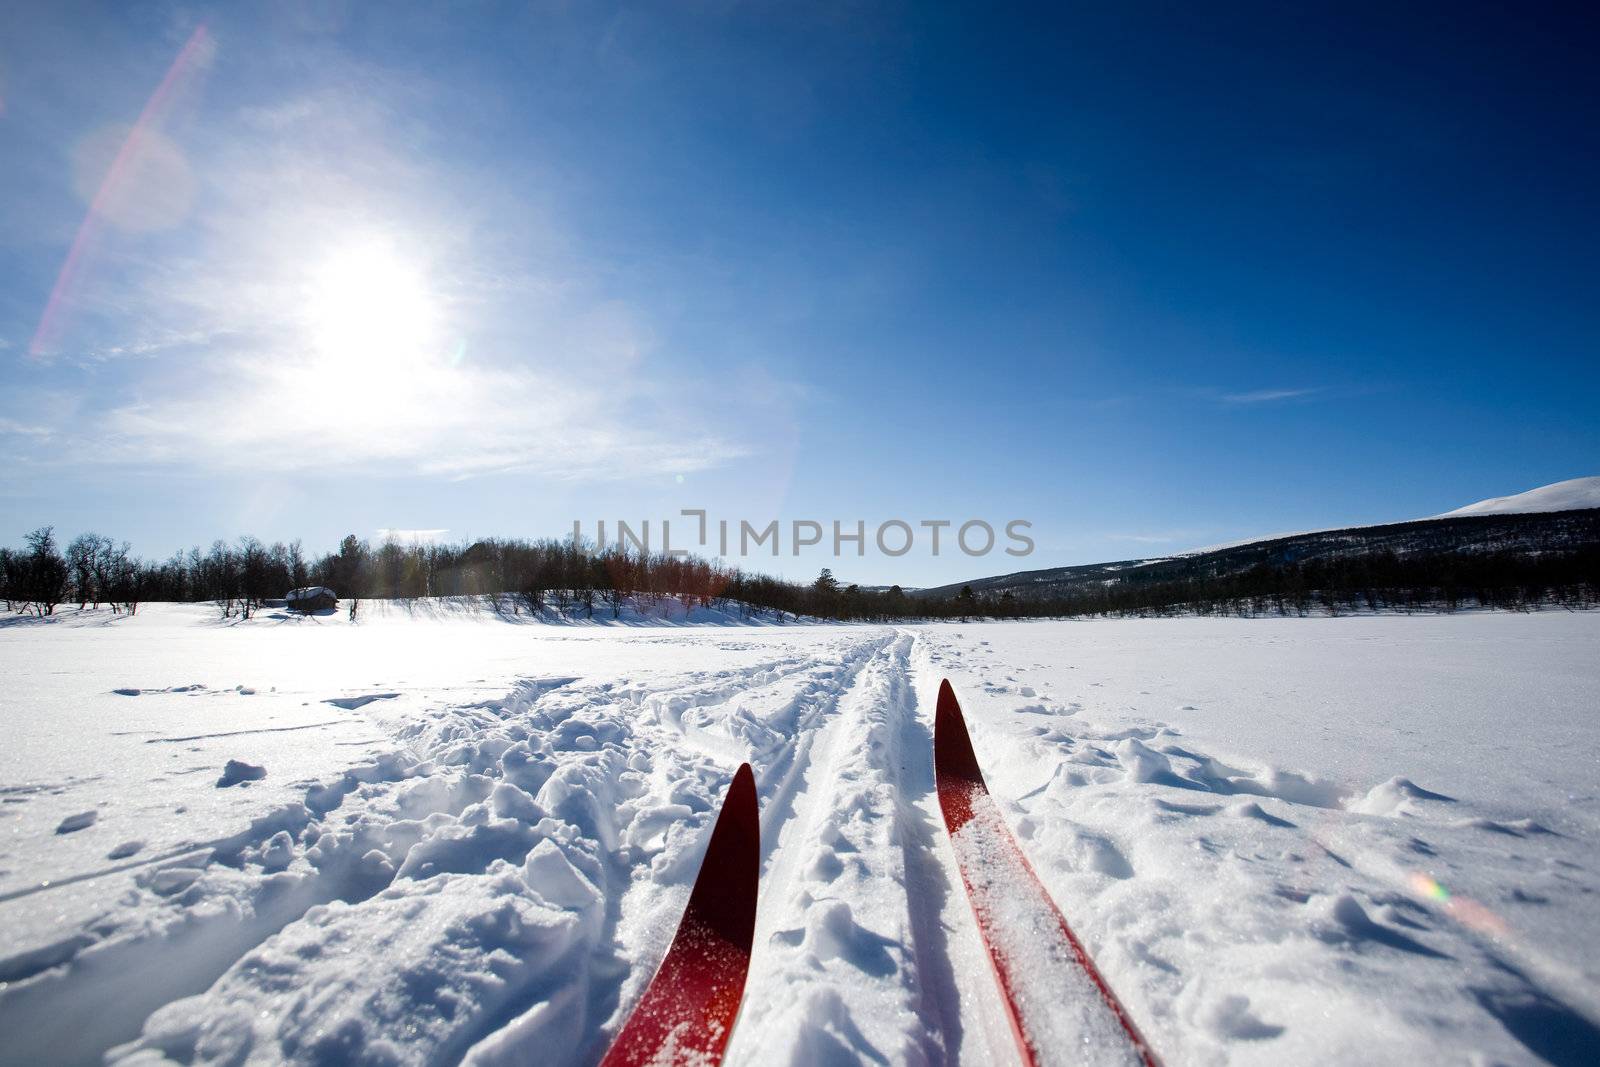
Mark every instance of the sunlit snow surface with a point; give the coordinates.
(435, 835)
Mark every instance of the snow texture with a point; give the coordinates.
(1346, 840)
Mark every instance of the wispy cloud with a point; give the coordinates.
(230, 353)
(22, 429)
(1267, 396)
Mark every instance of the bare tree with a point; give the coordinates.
(10, 579)
(102, 559)
(298, 576)
(82, 563)
(46, 575)
(254, 575)
(127, 582)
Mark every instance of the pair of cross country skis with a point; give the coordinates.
(1059, 1007)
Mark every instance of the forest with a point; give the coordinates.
(565, 579)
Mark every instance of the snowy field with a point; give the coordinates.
(435, 836)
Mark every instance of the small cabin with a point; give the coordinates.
(310, 599)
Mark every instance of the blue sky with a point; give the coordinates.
(1147, 278)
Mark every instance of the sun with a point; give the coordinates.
(371, 352)
(369, 308)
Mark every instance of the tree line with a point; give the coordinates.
(568, 579)
(1383, 580)
(40, 576)
(515, 576)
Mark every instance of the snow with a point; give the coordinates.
(1559, 496)
(438, 834)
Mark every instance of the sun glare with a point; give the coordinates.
(370, 309)
(373, 360)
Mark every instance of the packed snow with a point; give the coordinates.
(436, 835)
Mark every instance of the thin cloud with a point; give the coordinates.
(1267, 396)
(22, 429)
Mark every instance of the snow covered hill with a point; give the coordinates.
(1569, 495)
(1563, 517)
(437, 836)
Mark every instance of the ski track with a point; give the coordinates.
(487, 866)
(514, 870)
(510, 871)
(835, 978)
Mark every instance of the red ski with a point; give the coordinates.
(1061, 1009)
(686, 1014)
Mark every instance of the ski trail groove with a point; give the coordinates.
(930, 891)
(836, 970)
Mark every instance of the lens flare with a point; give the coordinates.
(192, 57)
(1464, 910)
(1425, 886)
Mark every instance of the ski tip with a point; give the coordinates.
(688, 1010)
(724, 894)
(739, 806)
(953, 756)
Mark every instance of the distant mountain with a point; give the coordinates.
(1570, 495)
(1510, 531)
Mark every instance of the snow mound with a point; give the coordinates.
(1393, 797)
